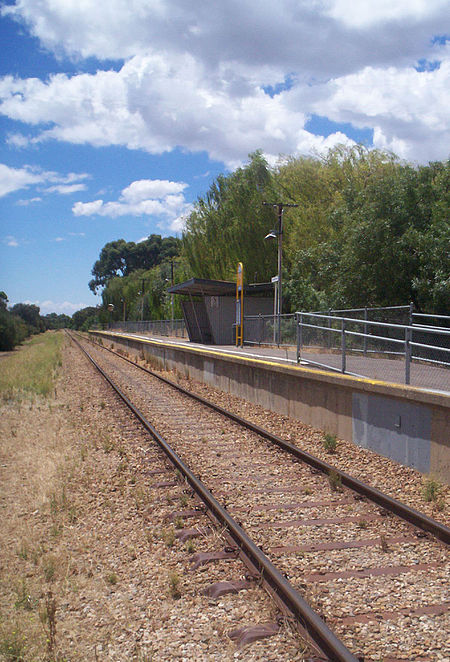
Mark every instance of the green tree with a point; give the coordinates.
(121, 258)
(229, 223)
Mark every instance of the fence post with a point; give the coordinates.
(411, 311)
(330, 339)
(261, 322)
(407, 355)
(365, 331)
(343, 347)
(297, 333)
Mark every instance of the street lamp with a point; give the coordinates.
(274, 234)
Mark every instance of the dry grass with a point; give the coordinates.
(31, 370)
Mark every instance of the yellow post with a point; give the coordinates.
(240, 305)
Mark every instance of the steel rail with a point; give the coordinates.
(400, 509)
(320, 633)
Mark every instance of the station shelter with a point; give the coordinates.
(209, 308)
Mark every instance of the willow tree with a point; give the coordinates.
(229, 223)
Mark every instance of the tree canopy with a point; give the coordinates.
(369, 229)
(121, 258)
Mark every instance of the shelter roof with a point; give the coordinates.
(206, 287)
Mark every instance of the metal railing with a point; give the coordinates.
(347, 344)
(176, 328)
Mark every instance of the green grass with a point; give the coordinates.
(32, 369)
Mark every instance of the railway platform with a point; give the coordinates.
(409, 424)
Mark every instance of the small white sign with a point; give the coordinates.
(274, 279)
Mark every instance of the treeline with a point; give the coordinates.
(369, 230)
(24, 320)
(19, 322)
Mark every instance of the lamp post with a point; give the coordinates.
(274, 234)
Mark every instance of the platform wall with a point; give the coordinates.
(407, 424)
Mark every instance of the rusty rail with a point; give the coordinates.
(307, 618)
(411, 515)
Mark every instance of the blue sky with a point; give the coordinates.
(115, 117)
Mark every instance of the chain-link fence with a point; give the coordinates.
(174, 328)
(263, 330)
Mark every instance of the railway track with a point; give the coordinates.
(329, 547)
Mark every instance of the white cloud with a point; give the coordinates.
(15, 179)
(11, 241)
(194, 75)
(311, 35)
(144, 197)
(30, 201)
(66, 189)
(407, 109)
(366, 12)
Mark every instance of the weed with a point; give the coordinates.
(24, 599)
(184, 501)
(122, 467)
(12, 645)
(383, 543)
(55, 531)
(107, 445)
(102, 404)
(112, 579)
(140, 497)
(49, 568)
(83, 452)
(174, 586)
(190, 547)
(431, 490)
(334, 481)
(329, 442)
(362, 524)
(58, 501)
(23, 551)
(179, 523)
(169, 537)
(307, 491)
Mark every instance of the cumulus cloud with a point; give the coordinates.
(317, 36)
(145, 197)
(197, 76)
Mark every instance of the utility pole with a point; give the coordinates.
(273, 235)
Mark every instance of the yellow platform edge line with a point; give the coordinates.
(327, 373)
